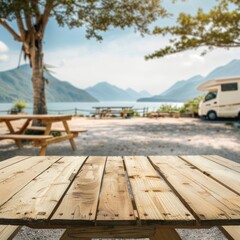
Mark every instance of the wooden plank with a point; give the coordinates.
(165, 234)
(231, 232)
(208, 200)
(225, 162)
(11, 161)
(34, 128)
(154, 199)
(45, 118)
(52, 140)
(224, 175)
(67, 236)
(16, 176)
(115, 202)
(25, 137)
(111, 232)
(79, 204)
(37, 200)
(7, 232)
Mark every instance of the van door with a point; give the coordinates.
(210, 102)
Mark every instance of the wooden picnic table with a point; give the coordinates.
(108, 111)
(40, 140)
(120, 197)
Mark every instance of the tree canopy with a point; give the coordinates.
(94, 16)
(220, 27)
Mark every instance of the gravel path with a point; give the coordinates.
(140, 136)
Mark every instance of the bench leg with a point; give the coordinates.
(11, 130)
(43, 150)
(165, 234)
(47, 132)
(65, 124)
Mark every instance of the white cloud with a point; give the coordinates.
(121, 62)
(3, 52)
(3, 57)
(3, 47)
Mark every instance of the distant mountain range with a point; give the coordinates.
(17, 84)
(105, 91)
(185, 90)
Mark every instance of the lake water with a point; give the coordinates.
(87, 107)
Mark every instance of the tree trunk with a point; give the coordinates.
(38, 81)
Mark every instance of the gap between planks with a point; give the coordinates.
(226, 176)
(42, 189)
(197, 191)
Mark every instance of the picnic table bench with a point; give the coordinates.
(109, 111)
(44, 138)
(120, 197)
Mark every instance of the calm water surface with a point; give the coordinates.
(87, 107)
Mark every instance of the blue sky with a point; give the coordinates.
(119, 58)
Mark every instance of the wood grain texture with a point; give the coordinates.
(80, 203)
(154, 199)
(224, 175)
(25, 137)
(16, 176)
(43, 117)
(225, 162)
(8, 232)
(112, 232)
(52, 140)
(11, 161)
(165, 234)
(115, 202)
(231, 232)
(208, 200)
(57, 129)
(68, 236)
(37, 200)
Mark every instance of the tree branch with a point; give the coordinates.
(28, 19)
(10, 30)
(20, 25)
(47, 11)
(36, 9)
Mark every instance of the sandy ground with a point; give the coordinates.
(140, 136)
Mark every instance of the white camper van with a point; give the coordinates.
(222, 99)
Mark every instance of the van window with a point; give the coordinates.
(210, 96)
(229, 87)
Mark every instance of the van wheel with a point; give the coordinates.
(212, 115)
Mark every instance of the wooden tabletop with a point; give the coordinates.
(51, 117)
(132, 190)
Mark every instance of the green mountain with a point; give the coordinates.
(16, 84)
(105, 91)
(185, 90)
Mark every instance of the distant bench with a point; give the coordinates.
(109, 111)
